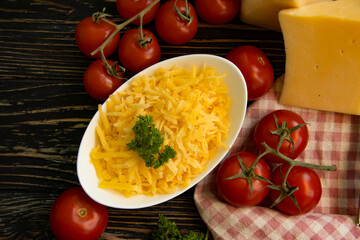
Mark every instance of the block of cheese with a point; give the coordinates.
(322, 44)
(264, 13)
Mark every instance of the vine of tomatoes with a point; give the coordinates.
(294, 187)
(176, 23)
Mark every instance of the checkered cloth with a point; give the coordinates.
(334, 140)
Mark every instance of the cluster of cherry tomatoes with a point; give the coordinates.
(246, 179)
(176, 23)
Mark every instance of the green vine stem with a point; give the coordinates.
(98, 16)
(112, 70)
(186, 16)
(142, 39)
(292, 162)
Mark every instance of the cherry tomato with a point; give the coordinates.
(89, 35)
(237, 191)
(262, 134)
(256, 69)
(135, 57)
(217, 11)
(97, 81)
(74, 215)
(129, 8)
(169, 25)
(308, 195)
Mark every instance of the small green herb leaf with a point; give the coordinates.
(164, 156)
(168, 230)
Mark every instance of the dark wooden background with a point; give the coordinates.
(44, 111)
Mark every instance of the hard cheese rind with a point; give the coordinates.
(322, 44)
(264, 13)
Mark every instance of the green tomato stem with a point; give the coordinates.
(292, 162)
(282, 138)
(98, 16)
(112, 70)
(186, 16)
(252, 167)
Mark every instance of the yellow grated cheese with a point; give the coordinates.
(190, 106)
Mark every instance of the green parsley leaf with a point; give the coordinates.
(164, 156)
(168, 230)
(148, 141)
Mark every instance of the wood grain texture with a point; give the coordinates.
(44, 111)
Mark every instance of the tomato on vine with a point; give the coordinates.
(101, 80)
(129, 8)
(91, 32)
(176, 24)
(279, 124)
(240, 185)
(256, 68)
(138, 51)
(217, 11)
(74, 215)
(302, 184)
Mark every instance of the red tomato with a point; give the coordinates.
(97, 81)
(256, 68)
(129, 8)
(135, 57)
(171, 28)
(89, 35)
(217, 11)
(236, 191)
(74, 215)
(262, 134)
(308, 195)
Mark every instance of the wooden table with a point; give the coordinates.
(44, 111)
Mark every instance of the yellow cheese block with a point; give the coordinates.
(264, 13)
(322, 44)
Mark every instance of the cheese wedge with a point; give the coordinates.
(322, 44)
(264, 13)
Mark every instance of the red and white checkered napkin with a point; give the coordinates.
(334, 140)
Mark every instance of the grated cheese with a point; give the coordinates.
(191, 106)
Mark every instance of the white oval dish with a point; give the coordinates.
(238, 95)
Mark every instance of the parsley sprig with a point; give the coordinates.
(168, 230)
(148, 141)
